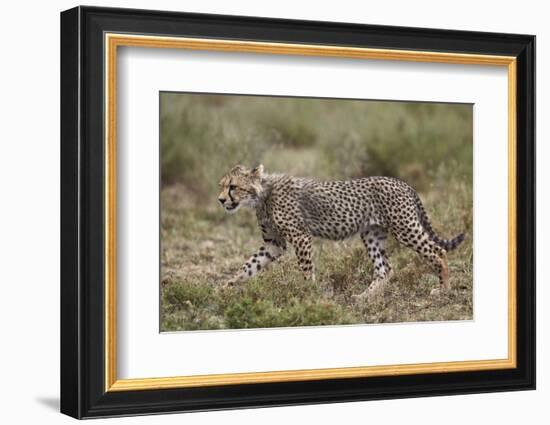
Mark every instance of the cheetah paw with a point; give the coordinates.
(360, 297)
(228, 284)
(436, 292)
(374, 290)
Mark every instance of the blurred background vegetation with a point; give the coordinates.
(428, 145)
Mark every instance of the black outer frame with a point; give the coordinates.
(82, 212)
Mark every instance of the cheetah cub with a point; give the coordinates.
(294, 210)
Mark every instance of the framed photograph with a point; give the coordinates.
(261, 212)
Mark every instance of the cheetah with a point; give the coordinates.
(293, 211)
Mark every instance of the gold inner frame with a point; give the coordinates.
(113, 41)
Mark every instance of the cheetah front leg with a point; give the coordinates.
(302, 244)
(374, 239)
(267, 253)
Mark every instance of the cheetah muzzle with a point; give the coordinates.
(295, 210)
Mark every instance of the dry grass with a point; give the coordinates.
(427, 145)
(201, 248)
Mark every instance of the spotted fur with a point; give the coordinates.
(295, 210)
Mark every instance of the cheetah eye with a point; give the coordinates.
(232, 187)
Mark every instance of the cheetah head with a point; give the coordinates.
(240, 187)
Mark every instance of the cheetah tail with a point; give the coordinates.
(450, 244)
(446, 244)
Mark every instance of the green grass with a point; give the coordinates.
(203, 249)
(428, 145)
(204, 135)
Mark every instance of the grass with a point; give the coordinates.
(428, 145)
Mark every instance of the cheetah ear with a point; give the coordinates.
(237, 169)
(258, 171)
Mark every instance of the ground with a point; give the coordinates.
(202, 136)
(201, 249)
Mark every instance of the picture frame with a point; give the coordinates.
(90, 40)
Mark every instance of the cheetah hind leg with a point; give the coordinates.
(374, 239)
(442, 267)
(421, 242)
